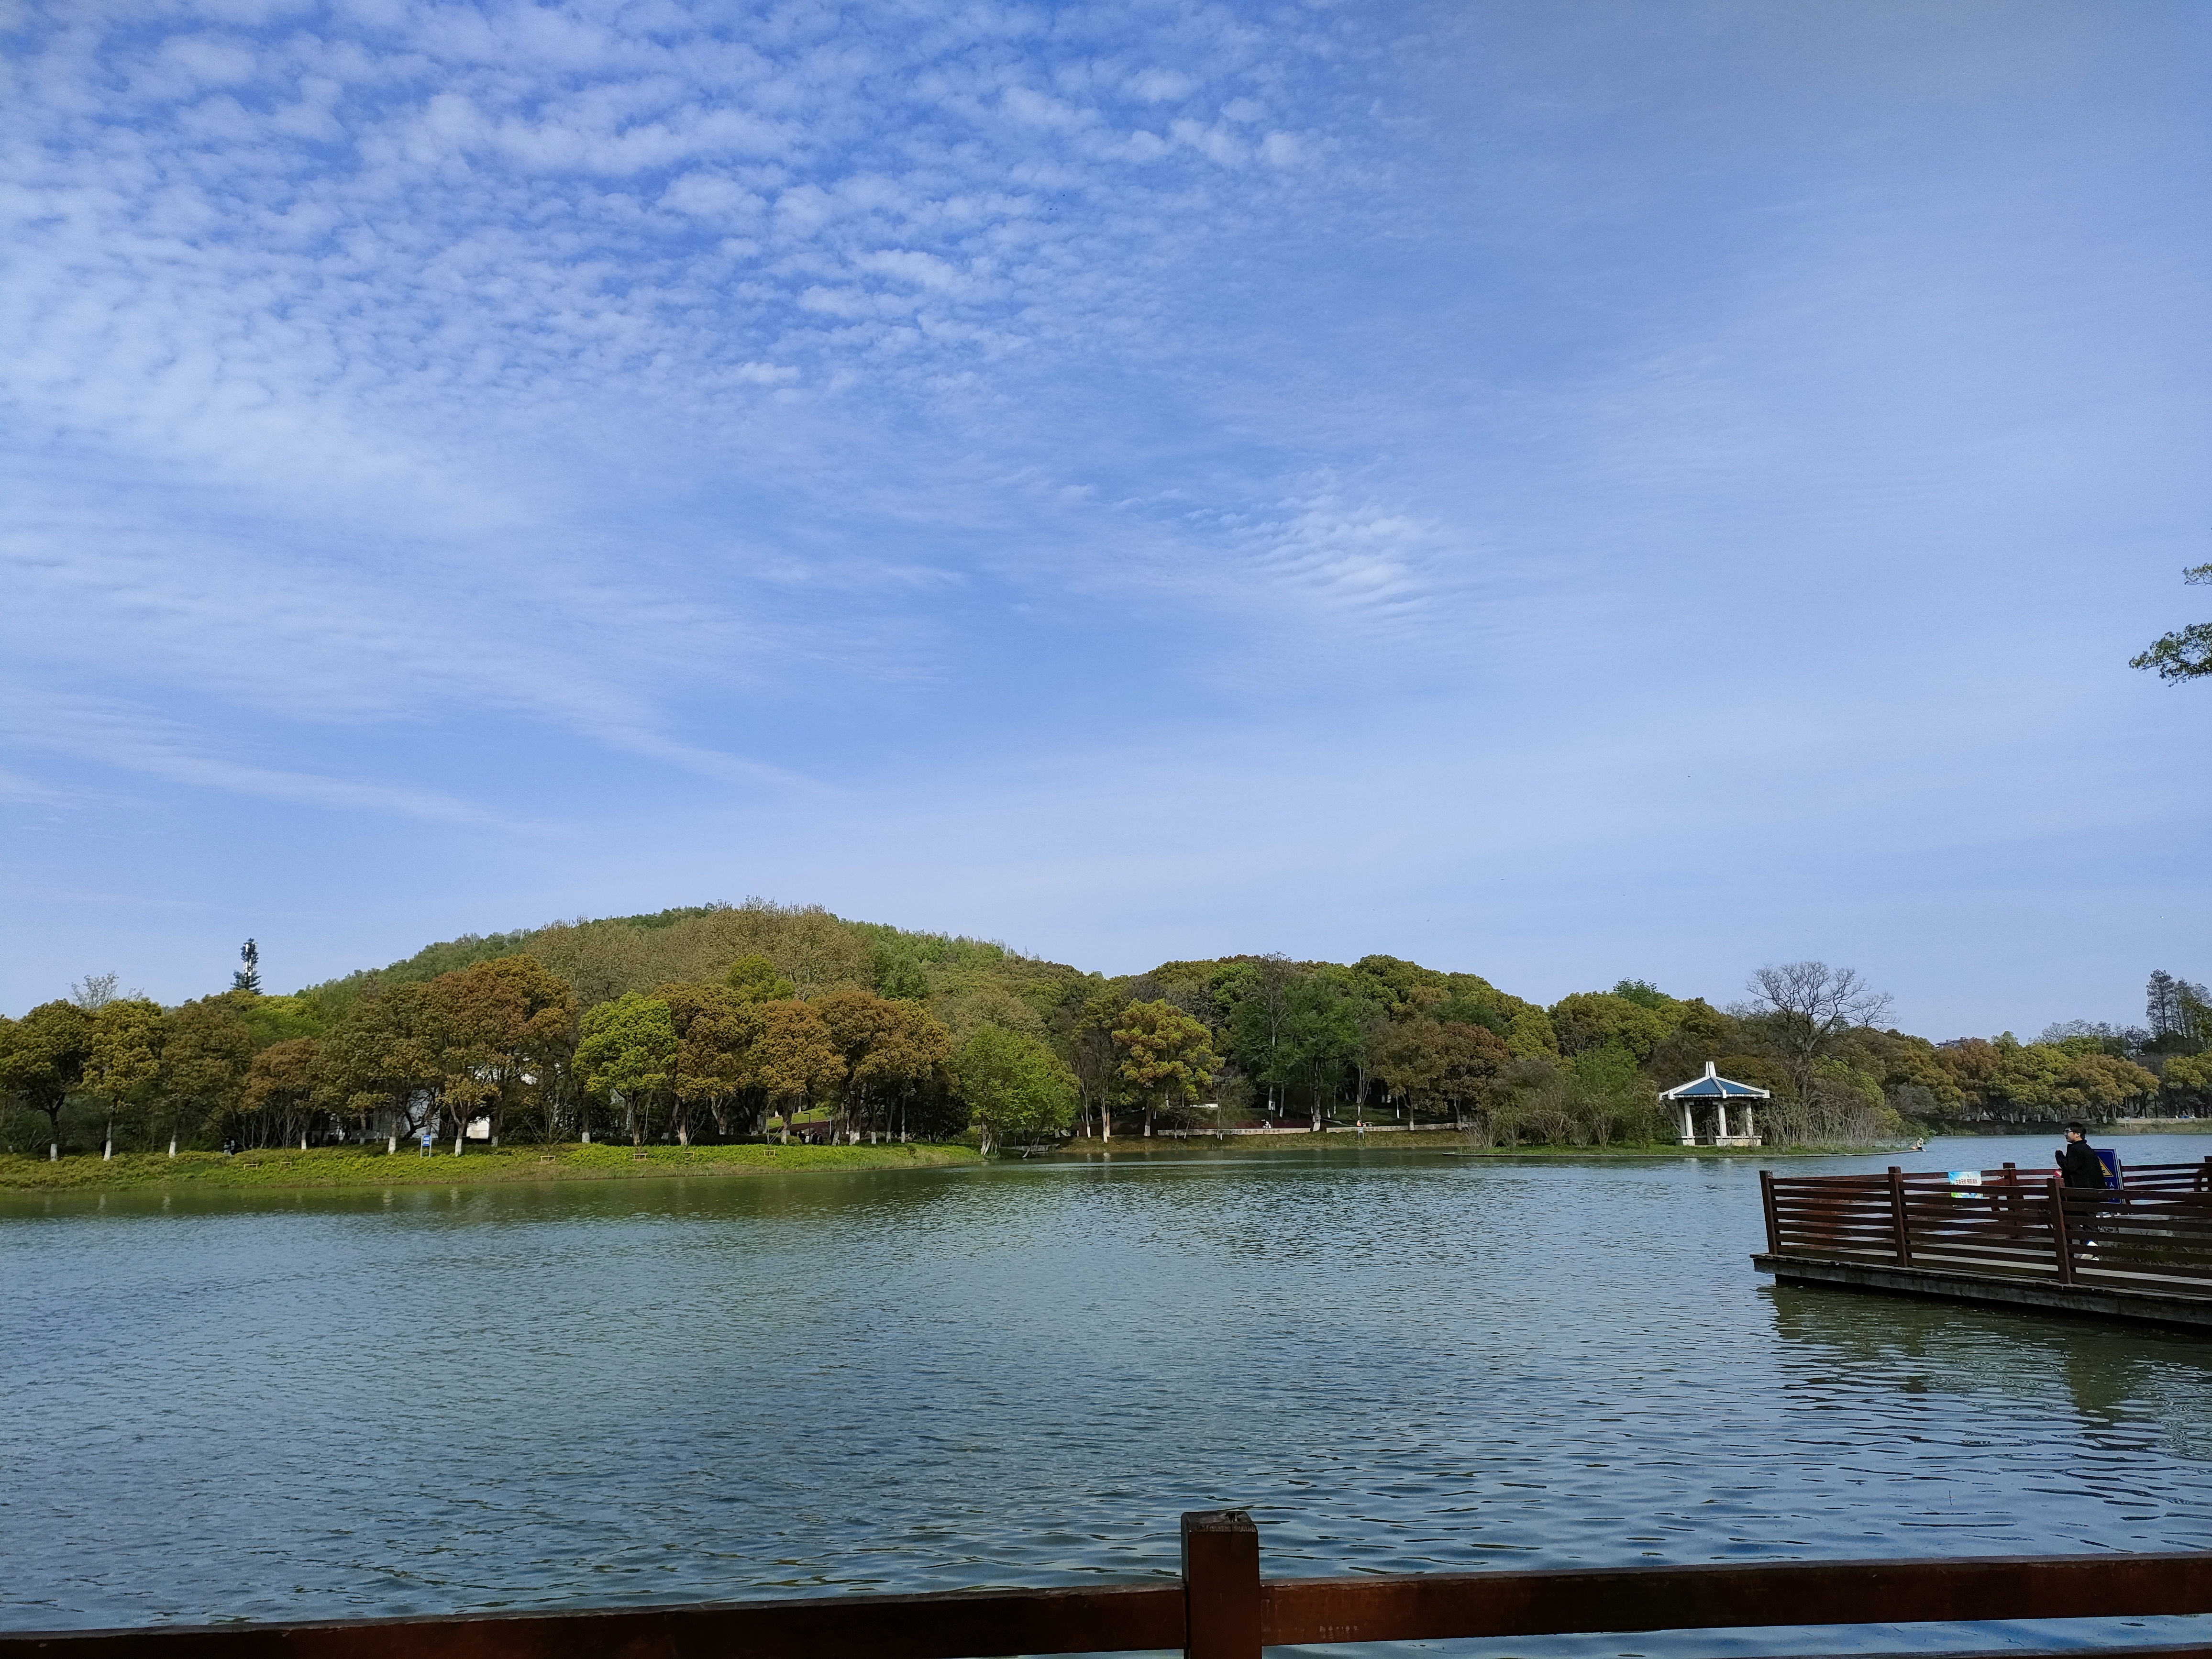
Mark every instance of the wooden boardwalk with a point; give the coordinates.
(2008, 1236)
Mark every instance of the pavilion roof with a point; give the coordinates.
(1713, 1086)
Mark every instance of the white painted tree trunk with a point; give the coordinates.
(392, 1143)
(457, 1143)
(303, 1141)
(53, 1152)
(172, 1146)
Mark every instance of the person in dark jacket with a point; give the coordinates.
(2078, 1163)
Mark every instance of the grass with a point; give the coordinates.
(347, 1166)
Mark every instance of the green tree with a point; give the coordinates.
(205, 1053)
(1167, 1054)
(1596, 1019)
(1320, 1032)
(1016, 1086)
(125, 1058)
(755, 979)
(626, 1049)
(898, 972)
(2186, 654)
(45, 1060)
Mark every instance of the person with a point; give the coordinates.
(2078, 1163)
(427, 1142)
(2079, 1167)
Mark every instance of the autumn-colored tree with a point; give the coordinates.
(1439, 1066)
(45, 1059)
(716, 1028)
(794, 1059)
(1166, 1054)
(385, 1058)
(126, 1059)
(280, 1086)
(890, 1048)
(626, 1050)
(507, 1030)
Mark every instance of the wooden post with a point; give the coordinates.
(1773, 1223)
(1221, 1585)
(1897, 1216)
(2063, 1245)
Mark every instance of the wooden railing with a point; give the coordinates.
(2154, 1233)
(1222, 1608)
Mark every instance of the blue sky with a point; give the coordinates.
(1560, 491)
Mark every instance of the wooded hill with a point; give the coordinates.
(724, 1021)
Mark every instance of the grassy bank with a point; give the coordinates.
(331, 1166)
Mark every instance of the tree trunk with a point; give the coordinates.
(391, 1143)
(107, 1146)
(172, 1144)
(458, 1133)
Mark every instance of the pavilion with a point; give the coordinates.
(1720, 1092)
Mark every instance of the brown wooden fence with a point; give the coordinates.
(2154, 1234)
(1222, 1608)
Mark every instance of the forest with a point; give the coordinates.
(730, 1021)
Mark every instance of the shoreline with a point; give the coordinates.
(327, 1167)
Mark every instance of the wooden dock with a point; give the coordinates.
(1221, 1607)
(2004, 1237)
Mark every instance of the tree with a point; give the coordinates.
(1320, 1033)
(248, 978)
(1257, 995)
(126, 1057)
(45, 1061)
(1592, 1019)
(1168, 1054)
(794, 1059)
(716, 1028)
(1808, 1006)
(898, 972)
(627, 1048)
(1095, 1059)
(1438, 1066)
(755, 979)
(387, 1056)
(95, 991)
(2186, 654)
(280, 1082)
(507, 1029)
(204, 1056)
(1017, 1087)
(889, 1047)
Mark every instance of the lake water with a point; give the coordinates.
(429, 1399)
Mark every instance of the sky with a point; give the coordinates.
(1562, 491)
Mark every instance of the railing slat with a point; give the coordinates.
(1434, 1606)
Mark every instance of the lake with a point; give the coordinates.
(436, 1399)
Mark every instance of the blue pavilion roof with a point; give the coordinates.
(1713, 1086)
